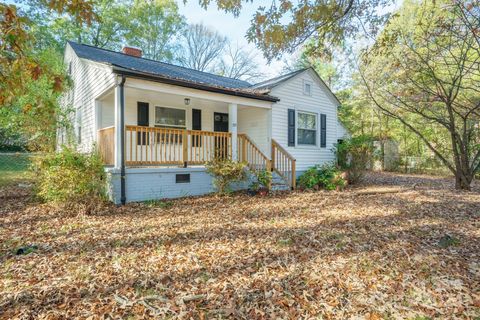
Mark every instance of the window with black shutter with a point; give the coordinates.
(196, 125)
(142, 120)
(291, 127)
(323, 130)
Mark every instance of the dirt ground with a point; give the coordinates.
(395, 247)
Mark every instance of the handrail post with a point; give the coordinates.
(272, 155)
(185, 148)
(244, 148)
(294, 175)
(269, 169)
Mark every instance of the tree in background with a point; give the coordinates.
(52, 30)
(201, 47)
(153, 27)
(238, 63)
(208, 50)
(30, 80)
(424, 72)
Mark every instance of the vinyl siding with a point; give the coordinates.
(320, 101)
(254, 122)
(90, 80)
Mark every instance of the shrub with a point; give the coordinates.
(355, 156)
(69, 176)
(263, 178)
(225, 172)
(327, 177)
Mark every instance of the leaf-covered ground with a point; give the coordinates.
(413, 254)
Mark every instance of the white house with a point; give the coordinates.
(156, 124)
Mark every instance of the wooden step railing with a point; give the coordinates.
(160, 146)
(249, 152)
(106, 140)
(283, 163)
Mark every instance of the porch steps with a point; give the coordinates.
(279, 183)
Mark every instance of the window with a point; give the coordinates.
(307, 88)
(170, 117)
(307, 128)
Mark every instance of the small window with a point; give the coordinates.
(170, 117)
(307, 88)
(70, 68)
(182, 178)
(307, 128)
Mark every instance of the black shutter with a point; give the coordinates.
(196, 119)
(323, 130)
(142, 114)
(142, 120)
(197, 125)
(291, 127)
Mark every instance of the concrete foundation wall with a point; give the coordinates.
(142, 184)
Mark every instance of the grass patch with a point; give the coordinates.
(14, 168)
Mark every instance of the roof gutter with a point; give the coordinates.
(188, 84)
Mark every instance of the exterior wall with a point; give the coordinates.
(90, 80)
(255, 123)
(319, 102)
(142, 184)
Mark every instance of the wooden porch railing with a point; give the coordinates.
(284, 163)
(106, 142)
(159, 146)
(249, 152)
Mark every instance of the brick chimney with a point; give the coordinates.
(132, 51)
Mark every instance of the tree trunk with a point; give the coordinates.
(463, 181)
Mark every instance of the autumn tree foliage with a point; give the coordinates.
(24, 70)
(424, 71)
(285, 25)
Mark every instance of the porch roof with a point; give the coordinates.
(168, 73)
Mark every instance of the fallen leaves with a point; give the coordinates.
(331, 255)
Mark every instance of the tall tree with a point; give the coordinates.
(201, 48)
(153, 25)
(424, 71)
(238, 63)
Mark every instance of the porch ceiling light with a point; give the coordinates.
(186, 101)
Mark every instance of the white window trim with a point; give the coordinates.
(305, 82)
(307, 146)
(166, 125)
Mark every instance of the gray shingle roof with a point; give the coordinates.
(155, 67)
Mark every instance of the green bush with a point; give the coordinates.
(326, 177)
(263, 178)
(355, 155)
(225, 172)
(69, 176)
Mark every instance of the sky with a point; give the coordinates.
(234, 28)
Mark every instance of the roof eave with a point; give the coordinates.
(188, 84)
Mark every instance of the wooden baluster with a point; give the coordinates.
(185, 147)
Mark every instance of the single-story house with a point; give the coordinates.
(156, 124)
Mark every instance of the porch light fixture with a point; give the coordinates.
(186, 101)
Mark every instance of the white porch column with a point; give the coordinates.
(98, 118)
(118, 125)
(232, 125)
